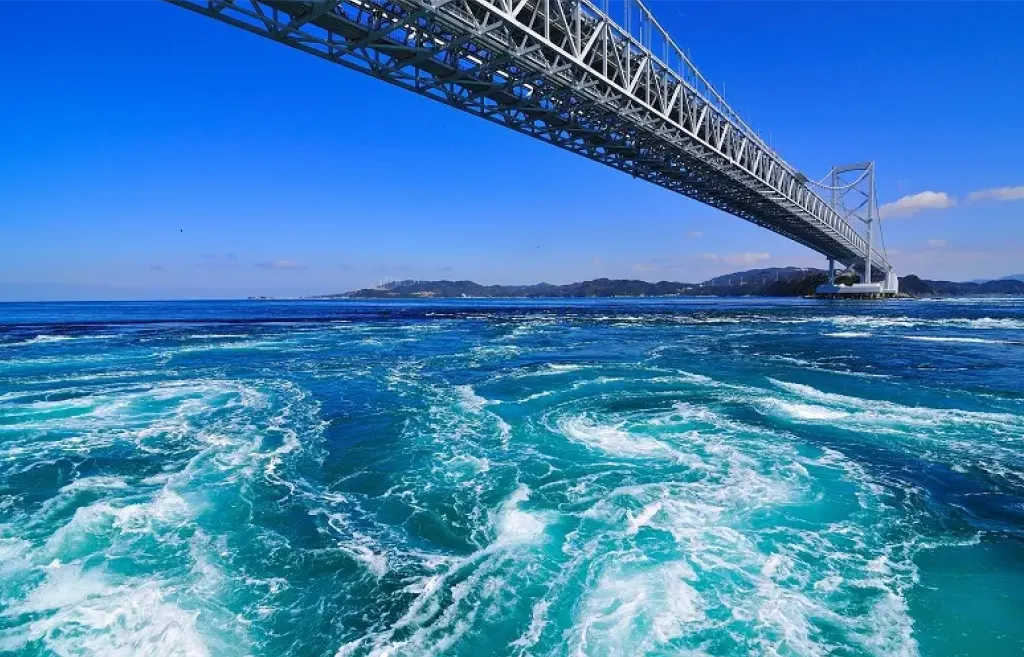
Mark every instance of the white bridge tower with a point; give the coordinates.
(852, 189)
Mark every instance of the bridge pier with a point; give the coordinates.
(887, 288)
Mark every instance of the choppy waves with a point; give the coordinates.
(615, 482)
(124, 564)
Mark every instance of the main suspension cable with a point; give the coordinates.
(820, 183)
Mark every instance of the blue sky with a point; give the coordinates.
(149, 152)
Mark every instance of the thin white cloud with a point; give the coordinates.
(745, 258)
(914, 203)
(998, 194)
(937, 244)
(952, 264)
(694, 233)
(280, 264)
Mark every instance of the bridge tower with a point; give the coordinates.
(853, 197)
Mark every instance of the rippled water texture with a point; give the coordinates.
(471, 478)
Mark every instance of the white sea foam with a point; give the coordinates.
(560, 368)
(788, 613)
(516, 526)
(1004, 323)
(252, 344)
(78, 536)
(468, 464)
(538, 620)
(636, 608)
(880, 411)
(473, 588)
(612, 439)
(681, 376)
(211, 435)
(14, 556)
(536, 395)
(215, 336)
(710, 320)
(642, 518)
(976, 439)
(496, 351)
(375, 563)
(471, 401)
(808, 411)
(897, 321)
(848, 334)
(80, 612)
(45, 339)
(772, 601)
(504, 430)
(967, 340)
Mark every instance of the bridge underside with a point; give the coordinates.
(564, 73)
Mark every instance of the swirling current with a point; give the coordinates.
(512, 478)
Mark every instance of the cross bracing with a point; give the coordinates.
(563, 71)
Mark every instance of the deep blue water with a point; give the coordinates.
(685, 477)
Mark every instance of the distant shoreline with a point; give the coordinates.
(771, 282)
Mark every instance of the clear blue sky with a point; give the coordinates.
(149, 152)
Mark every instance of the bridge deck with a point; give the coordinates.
(565, 72)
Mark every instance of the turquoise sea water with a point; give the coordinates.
(599, 478)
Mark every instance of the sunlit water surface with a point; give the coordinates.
(477, 478)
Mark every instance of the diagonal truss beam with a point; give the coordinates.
(563, 71)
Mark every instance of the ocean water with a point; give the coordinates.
(598, 478)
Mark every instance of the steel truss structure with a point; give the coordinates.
(565, 72)
(853, 197)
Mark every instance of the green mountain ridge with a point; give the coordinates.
(769, 282)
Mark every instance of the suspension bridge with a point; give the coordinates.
(615, 90)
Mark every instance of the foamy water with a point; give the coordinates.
(512, 478)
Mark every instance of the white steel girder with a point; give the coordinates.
(563, 71)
